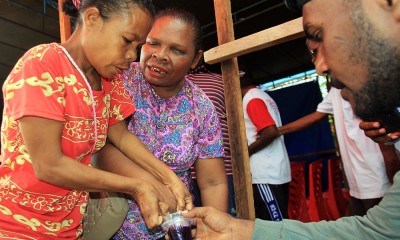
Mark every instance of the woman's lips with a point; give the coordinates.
(158, 69)
(119, 70)
(156, 72)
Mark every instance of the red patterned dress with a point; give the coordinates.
(44, 83)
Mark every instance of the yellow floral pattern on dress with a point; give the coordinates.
(39, 202)
(9, 123)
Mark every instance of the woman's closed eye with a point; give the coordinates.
(127, 40)
(177, 51)
(152, 43)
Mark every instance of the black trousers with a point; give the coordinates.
(281, 194)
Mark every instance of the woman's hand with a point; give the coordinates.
(167, 196)
(151, 204)
(123, 140)
(182, 194)
(109, 155)
(378, 134)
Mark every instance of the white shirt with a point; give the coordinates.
(362, 158)
(270, 164)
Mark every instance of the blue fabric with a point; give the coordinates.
(296, 102)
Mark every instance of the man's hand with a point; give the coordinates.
(378, 134)
(211, 223)
(217, 225)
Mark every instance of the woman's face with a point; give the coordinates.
(110, 46)
(168, 55)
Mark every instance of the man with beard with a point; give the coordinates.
(356, 42)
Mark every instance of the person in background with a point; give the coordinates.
(356, 43)
(269, 160)
(212, 85)
(174, 118)
(364, 161)
(61, 103)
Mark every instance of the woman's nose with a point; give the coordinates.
(160, 54)
(131, 55)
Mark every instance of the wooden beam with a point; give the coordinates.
(234, 109)
(267, 38)
(65, 23)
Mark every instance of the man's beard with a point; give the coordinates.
(381, 92)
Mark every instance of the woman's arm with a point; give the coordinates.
(134, 149)
(212, 182)
(52, 166)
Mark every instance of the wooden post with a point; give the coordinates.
(234, 109)
(65, 23)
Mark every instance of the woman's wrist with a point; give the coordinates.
(135, 185)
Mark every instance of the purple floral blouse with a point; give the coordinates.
(178, 131)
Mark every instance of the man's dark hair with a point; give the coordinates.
(248, 80)
(295, 5)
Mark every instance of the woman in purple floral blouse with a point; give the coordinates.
(173, 117)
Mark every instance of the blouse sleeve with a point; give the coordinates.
(259, 114)
(35, 87)
(210, 144)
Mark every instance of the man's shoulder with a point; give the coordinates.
(257, 93)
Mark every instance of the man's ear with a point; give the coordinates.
(91, 16)
(196, 59)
